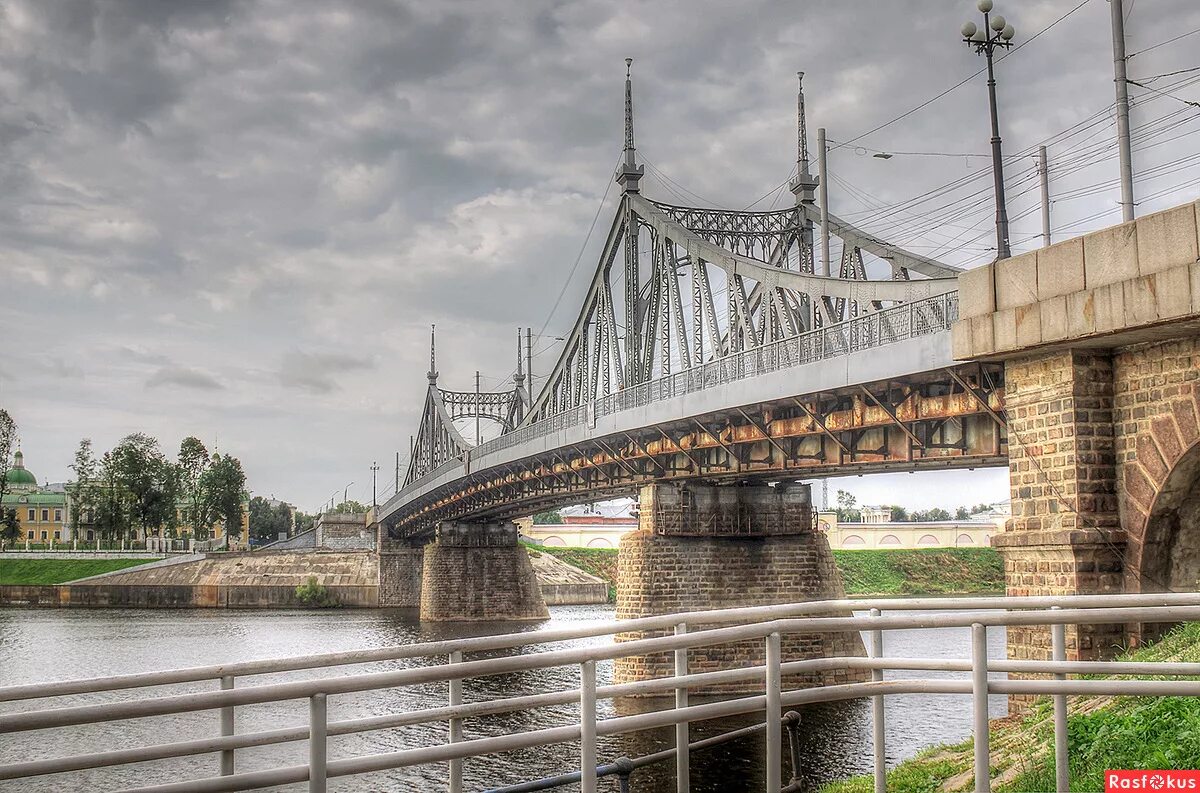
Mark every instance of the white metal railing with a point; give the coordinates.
(767, 624)
(887, 326)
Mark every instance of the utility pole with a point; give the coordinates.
(374, 497)
(529, 362)
(397, 490)
(1116, 8)
(823, 188)
(985, 43)
(1045, 180)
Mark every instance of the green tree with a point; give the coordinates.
(268, 522)
(304, 521)
(148, 480)
(8, 435)
(10, 525)
(85, 490)
(962, 514)
(847, 508)
(351, 507)
(222, 486)
(898, 513)
(548, 517)
(190, 464)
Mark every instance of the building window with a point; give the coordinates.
(58, 516)
(45, 516)
(58, 535)
(43, 535)
(32, 518)
(31, 534)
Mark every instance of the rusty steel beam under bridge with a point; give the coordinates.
(947, 418)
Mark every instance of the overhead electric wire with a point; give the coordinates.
(963, 82)
(1163, 43)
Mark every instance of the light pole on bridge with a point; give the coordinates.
(994, 33)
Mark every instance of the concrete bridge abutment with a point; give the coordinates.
(701, 547)
(1101, 343)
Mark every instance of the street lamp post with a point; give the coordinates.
(994, 33)
(374, 470)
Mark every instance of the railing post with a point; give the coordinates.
(587, 727)
(1062, 768)
(979, 700)
(456, 733)
(683, 772)
(877, 716)
(318, 720)
(227, 729)
(773, 715)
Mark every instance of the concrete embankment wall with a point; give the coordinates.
(174, 596)
(268, 579)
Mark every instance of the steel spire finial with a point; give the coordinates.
(519, 379)
(433, 373)
(804, 185)
(630, 172)
(801, 127)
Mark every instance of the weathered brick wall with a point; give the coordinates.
(478, 576)
(1103, 463)
(1064, 536)
(1061, 457)
(1158, 428)
(666, 574)
(696, 509)
(400, 576)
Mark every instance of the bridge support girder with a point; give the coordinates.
(703, 546)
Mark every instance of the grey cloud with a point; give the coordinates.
(319, 372)
(184, 377)
(229, 182)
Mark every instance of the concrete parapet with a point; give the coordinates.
(663, 573)
(1121, 282)
(479, 573)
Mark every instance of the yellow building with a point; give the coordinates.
(41, 511)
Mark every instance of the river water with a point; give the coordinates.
(46, 644)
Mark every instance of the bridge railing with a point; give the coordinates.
(887, 326)
(690, 630)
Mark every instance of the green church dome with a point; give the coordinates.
(20, 475)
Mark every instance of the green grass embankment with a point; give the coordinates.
(918, 571)
(1103, 733)
(921, 571)
(59, 571)
(600, 562)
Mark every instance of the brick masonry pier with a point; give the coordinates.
(1100, 337)
(708, 547)
(478, 572)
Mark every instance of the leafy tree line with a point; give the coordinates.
(10, 525)
(135, 486)
(849, 512)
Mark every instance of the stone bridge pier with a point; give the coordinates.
(701, 546)
(1100, 336)
(471, 572)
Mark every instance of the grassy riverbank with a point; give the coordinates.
(917, 571)
(1103, 733)
(59, 571)
(921, 571)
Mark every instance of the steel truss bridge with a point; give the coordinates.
(718, 345)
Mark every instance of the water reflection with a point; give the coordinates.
(39, 645)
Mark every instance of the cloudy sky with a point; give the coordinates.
(238, 219)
